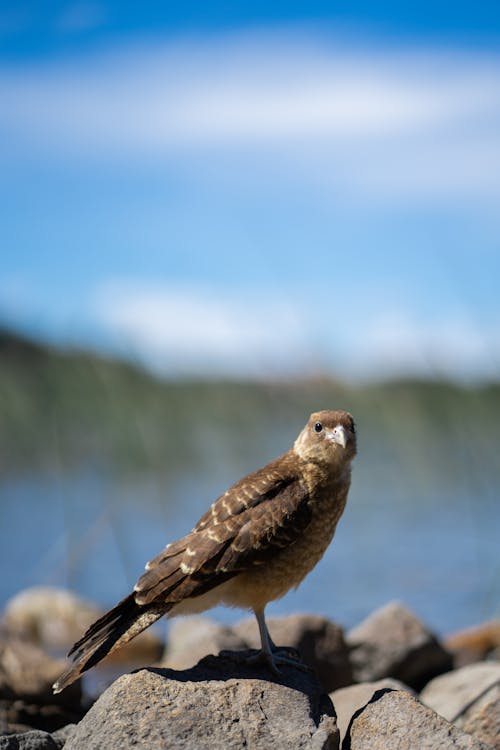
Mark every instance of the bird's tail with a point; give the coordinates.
(112, 630)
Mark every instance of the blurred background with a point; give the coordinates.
(217, 218)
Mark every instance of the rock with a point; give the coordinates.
(51, 617)
(484, 722)
(474, 644)
(26, 698)
(319, 642)
(21, 716)
(219, 703)
(392, 642)
(193, 638)
(7, 726)
(394, 720)
(33, 740)
(26, 671)
(55, 618)
(348, 700)
(456, 695)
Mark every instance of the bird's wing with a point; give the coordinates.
(257, 517)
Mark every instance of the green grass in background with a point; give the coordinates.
(64, 410)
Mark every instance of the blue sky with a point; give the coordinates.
(255, 190)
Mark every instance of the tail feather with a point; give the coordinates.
(112, 630)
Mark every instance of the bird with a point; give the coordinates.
(255, 542)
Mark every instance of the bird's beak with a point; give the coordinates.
(338, 435)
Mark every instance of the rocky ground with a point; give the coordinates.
(388, 683)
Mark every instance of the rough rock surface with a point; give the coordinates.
(470, 698)
(484, 722)
(392, 642)
(217, 704)
(347, 701)
(33, 740)
(319, 642)
(394, 720)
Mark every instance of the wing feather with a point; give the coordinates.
(254, 519)
(268, 529)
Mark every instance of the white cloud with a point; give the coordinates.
(377, 120)
(189, 329)
(265, 332)
(399, 342)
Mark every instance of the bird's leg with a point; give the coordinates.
(269, 653)
(274, 647)
(272, 644)
(266, 653)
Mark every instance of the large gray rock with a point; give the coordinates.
(319, 642)
(394, 720)
(217, 704)
(392, 642)
(347, 701)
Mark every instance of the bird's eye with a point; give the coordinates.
(318, 427)
(353, 426)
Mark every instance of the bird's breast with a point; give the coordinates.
(288, 567)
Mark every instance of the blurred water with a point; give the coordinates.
(438, 553)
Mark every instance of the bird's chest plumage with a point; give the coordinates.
(288, 567)
(327, 507)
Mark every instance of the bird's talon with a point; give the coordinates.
(272, 660)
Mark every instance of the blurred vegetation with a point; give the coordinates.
(64, 410)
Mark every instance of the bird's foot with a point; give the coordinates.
(272, 660)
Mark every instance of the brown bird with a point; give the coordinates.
(252, 545)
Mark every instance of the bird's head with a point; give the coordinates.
(328, 437)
